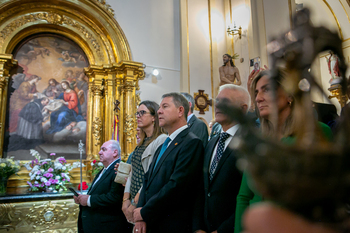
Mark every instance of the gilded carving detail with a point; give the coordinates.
(49, 214)
(52, 18)
(129, 127)
(106, 6)
(138, 99)
(129, 85)
(7, 216)
(96, 130)
(98, 90)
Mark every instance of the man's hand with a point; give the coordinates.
(137, 215)
(76, 199)
(83, 199)
(130, 213)
(200, 231)
(266, 218)
(125, 207)
(140, 227)
(116, 168)
(215, 232)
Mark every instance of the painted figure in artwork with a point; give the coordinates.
(333, 67)
(54, 89)
(229, 73)
(20, 97)
(69, 114)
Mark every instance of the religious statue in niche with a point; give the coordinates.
(333, 67)
(229, 73)
(47, 98)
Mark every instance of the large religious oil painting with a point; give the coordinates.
(47, 101)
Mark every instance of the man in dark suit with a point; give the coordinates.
(196, 126)
(216, 203)
(100, 209)
(171, 183)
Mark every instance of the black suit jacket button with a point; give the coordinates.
(208, 194)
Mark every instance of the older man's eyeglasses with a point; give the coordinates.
(141, 113)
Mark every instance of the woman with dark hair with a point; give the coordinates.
(151, 137)
(69, 113)
(279, 120)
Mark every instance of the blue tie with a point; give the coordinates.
(219, 151)
(165, 145)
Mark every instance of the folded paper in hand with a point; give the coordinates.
(123, 172)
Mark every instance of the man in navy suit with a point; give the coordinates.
(167, 198)
(216, 203)
(196, 126)
(100, 209)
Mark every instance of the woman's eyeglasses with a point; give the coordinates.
(141, 113)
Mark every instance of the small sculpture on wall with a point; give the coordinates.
(333, 67)
(202, 102)
(229, 73)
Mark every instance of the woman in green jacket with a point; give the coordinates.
(276, 118)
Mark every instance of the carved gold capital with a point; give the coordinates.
(97, 90)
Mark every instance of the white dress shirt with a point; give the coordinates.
(231, 131)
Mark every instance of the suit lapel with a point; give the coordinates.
(191, 121)
(228, 152)
(104, 175)
(174, 144)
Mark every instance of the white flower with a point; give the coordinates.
(43, 179)
(38, 177)
(92, 164)
(35, 168)
(42, 171)
(32, 177)
(58, 166)
(100, 164)
(28, 166)
(57, 177)
(36, 182)
(64, 168)
(30, 174)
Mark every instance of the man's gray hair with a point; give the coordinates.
(243, 98)
(115, 146)
(189, 99)
(178, 101)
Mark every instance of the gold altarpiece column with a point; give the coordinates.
(112, 99)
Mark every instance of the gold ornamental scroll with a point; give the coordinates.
(6, 64)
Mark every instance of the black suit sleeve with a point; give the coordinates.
(187, 171)
(198, 216)
(114, 194)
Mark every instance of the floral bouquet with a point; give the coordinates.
(8, 167)
(96, 167)
(49, 174)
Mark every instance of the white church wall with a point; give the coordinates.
(153, 31)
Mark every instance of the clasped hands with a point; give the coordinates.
(140, 225)
(81, 199)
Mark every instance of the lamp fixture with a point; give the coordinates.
(235, 31)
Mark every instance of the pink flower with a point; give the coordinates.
(47, 183)
(52, 154)
(43, 163)
(62, 160)
(38, 172)
(48, 175)
(30, 184)
(63, 179)
(36, 185)
(50, 170)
